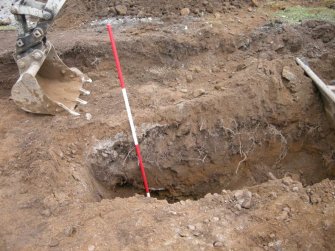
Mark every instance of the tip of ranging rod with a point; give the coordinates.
(148, 195)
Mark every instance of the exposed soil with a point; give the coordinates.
(238, 155)
(77, 12)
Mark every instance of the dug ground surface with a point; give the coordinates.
(238, 149)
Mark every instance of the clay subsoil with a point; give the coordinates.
(238, 150)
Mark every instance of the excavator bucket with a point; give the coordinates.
(46, 85)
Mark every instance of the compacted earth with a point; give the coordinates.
(238, 150)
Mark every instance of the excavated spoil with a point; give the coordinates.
(78, 12)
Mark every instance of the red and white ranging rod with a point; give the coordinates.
(126, 101)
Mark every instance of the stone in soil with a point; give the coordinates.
(287, 74)
(243, 198)
(121, 10)
(185, 11)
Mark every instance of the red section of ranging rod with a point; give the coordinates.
(130, 117)
(144, 177)
(116, 56)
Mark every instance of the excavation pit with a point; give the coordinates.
(215, 126)
(189, 160)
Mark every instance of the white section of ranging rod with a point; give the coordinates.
(148, 195)
(324, 88)
(130, 117)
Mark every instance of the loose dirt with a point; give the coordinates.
(238, 150)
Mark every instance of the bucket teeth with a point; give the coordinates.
(74, 113)
(85, 92)
(82, 102)
(86, 80)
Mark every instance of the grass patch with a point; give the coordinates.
(7, 28)
(298, 14)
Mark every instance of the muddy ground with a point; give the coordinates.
(238, 150)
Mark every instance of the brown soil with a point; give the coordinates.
(77, 12)
(213, 111)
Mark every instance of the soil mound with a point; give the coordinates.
(78, 11)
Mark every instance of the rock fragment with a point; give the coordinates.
(69, 231)
(121, 10)
(273, 195)
(295, 189)
(315, 199)
(189, 78)
(91, 248)
(283, 216)
(198, 93)
(326, 225)
(287, 74)
(184, 233)
(243, 198)
(255, 3)
(287, 181)
(219, 88)
(238, 207)
(5, 21)
(88, 116)
(53, 243)
(241, 67)
(197, 69)
(185, 11)
(196, 233)
(218, 244)
(46, 213)
(217, 15)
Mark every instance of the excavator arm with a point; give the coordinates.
(46, 85)
(30, 36)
